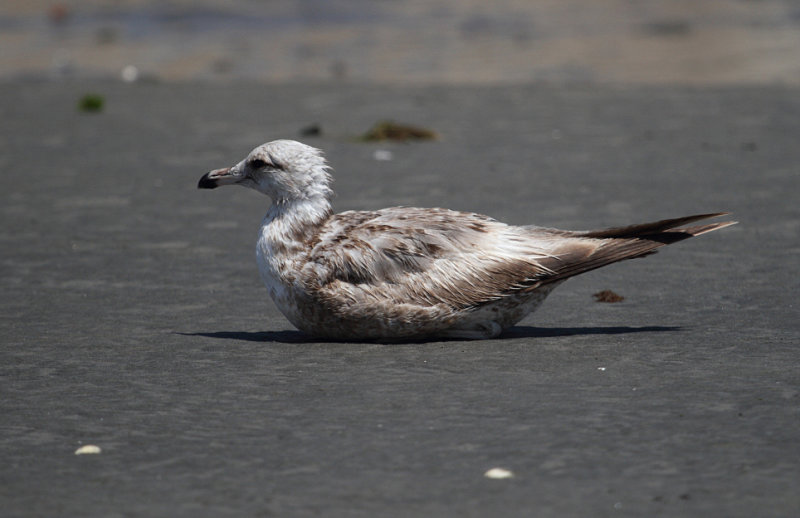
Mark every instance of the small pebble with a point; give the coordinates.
(313, 130)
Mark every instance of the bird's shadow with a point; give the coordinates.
(297, 337)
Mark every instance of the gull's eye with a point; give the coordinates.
(257, 163)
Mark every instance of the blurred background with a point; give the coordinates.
(696, 42)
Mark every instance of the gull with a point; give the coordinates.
(412, 273)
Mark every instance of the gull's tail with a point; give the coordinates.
(597, 248)
(665, 231)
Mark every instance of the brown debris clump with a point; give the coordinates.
(607, 296)
(388, 130)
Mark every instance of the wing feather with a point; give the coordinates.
(425, 257)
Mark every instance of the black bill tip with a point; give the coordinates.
(207, 183)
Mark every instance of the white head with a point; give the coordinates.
(284, 170)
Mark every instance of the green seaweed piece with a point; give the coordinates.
(91, 103)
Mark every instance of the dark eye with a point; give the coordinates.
(257, 163)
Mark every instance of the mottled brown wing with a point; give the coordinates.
(426, 256)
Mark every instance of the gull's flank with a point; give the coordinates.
(410, 273)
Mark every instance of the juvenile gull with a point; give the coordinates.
(407, 272)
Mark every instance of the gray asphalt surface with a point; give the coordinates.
(133, 317)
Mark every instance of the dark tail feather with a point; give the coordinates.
(665, 226)
(618, 244)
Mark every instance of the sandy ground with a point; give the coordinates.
(713, 42)
(133, 319)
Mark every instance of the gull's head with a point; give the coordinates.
(284, 170)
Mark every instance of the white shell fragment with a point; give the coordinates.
(498, 473)
(130, 74)
(88, 449)
(382, 155)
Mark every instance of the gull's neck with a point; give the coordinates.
(292, 222)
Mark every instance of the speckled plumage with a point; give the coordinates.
(403, 272)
